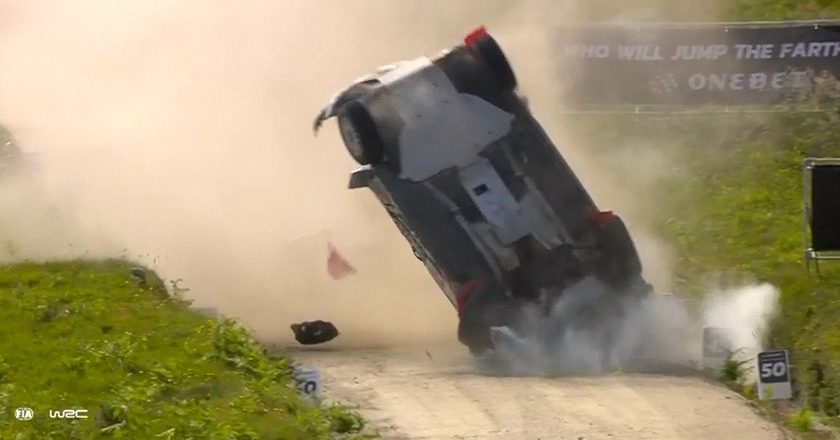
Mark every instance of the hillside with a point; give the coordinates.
(91, 335)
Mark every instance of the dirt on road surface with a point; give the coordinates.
(435, 394)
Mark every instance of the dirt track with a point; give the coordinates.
(415, 394)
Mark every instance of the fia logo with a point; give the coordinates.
(24, 413)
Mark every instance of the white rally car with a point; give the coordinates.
(478, 189)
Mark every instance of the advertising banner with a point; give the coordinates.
(686, 65)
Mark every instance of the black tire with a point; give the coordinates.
(480, 315)
(488, 50)
(619, 265)
(359, 133)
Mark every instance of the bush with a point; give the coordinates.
(801, 420)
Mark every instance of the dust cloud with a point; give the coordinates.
(179, 134)
(655, 333)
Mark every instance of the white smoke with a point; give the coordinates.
(745, 312)
(589, 330)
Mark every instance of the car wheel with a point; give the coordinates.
(359, 133)
(479, 316)
(485, 47)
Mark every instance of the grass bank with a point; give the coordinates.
(91, 335)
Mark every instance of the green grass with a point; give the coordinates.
(734, 372)
(801, 420)
(740, 213)
(731, 207)
(782, 9)
(89, 335)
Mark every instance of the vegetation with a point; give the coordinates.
(734, 373)
(92, 335)
(801, 420)
(782, 9)
(730, 203)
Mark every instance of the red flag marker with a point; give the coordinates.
(337, 266)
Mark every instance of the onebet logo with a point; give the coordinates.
(69, 414)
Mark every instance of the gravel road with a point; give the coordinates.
(424, 393)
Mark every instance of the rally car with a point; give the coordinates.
(477, 188)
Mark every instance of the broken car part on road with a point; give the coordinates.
(314, 332)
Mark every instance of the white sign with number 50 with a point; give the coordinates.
(774, 375)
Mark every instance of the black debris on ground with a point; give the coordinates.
(314, 332)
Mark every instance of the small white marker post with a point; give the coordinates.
(774, 375)
(309, 382)
(717, 347)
